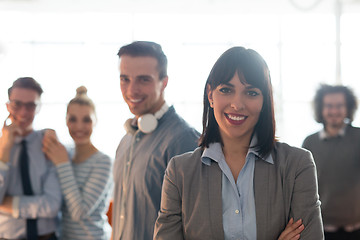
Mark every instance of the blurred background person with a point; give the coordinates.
(84, 174)
(154, 135)
(30, 195)
(240, 183)
(336, 151)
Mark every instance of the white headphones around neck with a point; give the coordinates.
(148, 122)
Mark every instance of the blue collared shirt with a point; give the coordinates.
(43, 205)
(238, 202)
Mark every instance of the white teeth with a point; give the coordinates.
(236, 118)
(135, 100)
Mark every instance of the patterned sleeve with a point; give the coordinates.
(81, 203)
(4, 168)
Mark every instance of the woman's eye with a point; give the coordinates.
(225, 90)
(72, 119)
(87, 120)
(253, 93)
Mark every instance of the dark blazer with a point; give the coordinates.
(191, 202)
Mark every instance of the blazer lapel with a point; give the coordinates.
(261, 192)
(215, 199)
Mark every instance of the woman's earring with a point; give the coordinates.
(211, 104)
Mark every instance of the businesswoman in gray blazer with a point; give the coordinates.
(241, 183)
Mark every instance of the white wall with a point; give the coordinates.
(64, 46)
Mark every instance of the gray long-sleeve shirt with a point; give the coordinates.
(338, 166)
(139, 168)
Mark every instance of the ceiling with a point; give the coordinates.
(181, 6)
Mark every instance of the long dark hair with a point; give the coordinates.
(252, 66)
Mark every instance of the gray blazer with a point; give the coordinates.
(191, 201)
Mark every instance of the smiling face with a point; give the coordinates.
(80, 120)
(22, 108)
(141, 87)
(237, 108)
(334, 110)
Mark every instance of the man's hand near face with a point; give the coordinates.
(8, 134)
(6, 205)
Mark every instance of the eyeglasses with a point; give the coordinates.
(17, 105)
(334, 106)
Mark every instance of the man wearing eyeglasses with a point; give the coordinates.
(336, 151)
(30, 195)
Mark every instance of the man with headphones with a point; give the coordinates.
(154, 136)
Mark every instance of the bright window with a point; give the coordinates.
(63, 51)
